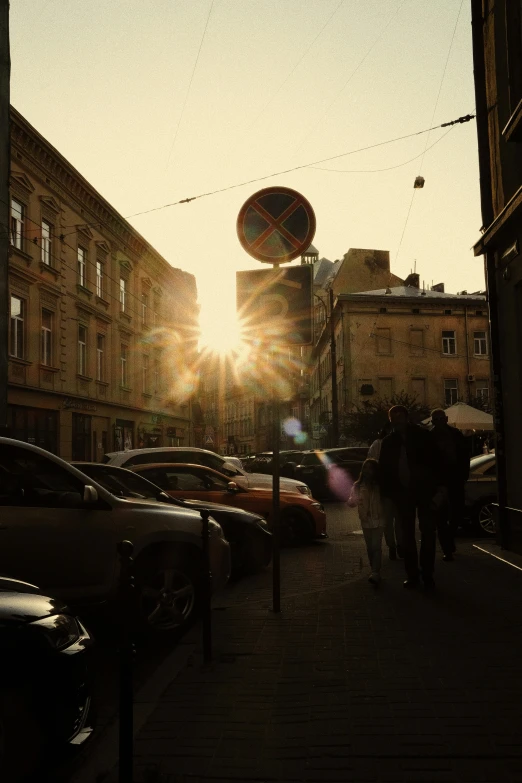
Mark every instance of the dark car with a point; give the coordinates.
(481, 493)
(248, 534)
(313, 467)
(45, 695)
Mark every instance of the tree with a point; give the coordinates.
(364, 423)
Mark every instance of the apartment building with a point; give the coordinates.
(428, 343)
(103, 329)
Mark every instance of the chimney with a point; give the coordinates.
(413, 280)
(439, 287)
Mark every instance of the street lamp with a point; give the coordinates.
(333, 353)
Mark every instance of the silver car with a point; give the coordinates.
(60, 529)
(481, 492)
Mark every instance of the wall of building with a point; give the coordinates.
(90, 368)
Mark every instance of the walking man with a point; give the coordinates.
(453, 448)
(392, 527)
(410, 467)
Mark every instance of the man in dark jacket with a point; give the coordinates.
(410, 471)
(454, 450)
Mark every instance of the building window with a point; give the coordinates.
(156, 373)
(17, 336)
(17, 224)
(480, 344)
(449, 343)
(47, 338)
(416, 342)
(123, 294)
(46, 243)
(145, 374)
(100, 357)
(482, 391)
(82, 266)
(384, 341)
(124, 372)
(382, 309)
(144, 309)
(418, 388)
(447, 312)
(82, 350)
(451, 391)
(99, 279)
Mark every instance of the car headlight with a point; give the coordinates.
(215, 529)
(304, 490)
(318, 505)
(60, 630)
(261, 522)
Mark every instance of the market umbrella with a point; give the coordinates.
(464, 417)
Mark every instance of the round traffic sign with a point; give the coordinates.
(276, 225)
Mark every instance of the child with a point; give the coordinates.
(366, 495)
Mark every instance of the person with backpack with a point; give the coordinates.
(366, 496)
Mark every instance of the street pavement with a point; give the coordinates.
(349, 682)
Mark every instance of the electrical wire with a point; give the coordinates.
(431, 123)
(442, 81)
(388, 168)
(459, 120)
(347, 82)
(298, 63)
(189, 85)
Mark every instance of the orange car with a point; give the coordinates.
(301, 515)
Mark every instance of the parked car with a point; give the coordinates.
(45, 693)
(194, 456)
(313, 467)
(60, 530)
(481, 492)
(248, 534)
(301, 515)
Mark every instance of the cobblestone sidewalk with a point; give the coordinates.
(350, 682)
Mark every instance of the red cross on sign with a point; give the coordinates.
(276, 225)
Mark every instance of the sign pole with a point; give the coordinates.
(276, 516)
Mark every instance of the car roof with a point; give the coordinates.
(131, 452)
(172, 465)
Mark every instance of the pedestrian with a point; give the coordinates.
(366, 495)
(392, 527)
(455, 453)
(409, 469)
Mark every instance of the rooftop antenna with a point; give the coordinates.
(415, 265)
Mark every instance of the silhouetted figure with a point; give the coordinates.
(455, 455)
(409, 466)
(366, 495)
(392, 527)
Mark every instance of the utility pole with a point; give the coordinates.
(333, 352)
(5, 76)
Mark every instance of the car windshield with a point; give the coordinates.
(120, 484)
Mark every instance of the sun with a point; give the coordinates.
(220, 330)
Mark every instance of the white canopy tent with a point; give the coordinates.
(464, 417)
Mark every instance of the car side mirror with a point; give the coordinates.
(90, 495)
(232, 487)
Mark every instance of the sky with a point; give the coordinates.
(159, 100)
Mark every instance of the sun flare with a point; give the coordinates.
(220, 331)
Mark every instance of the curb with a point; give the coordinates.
(103, 759)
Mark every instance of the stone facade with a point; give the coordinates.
(102, 329)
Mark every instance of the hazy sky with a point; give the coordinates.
(112, 84)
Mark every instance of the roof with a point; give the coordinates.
(410, 292)
(311, 251)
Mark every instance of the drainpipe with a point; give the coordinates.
(467, 350)
(333, 352)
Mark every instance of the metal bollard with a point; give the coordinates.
(207, 590)
(126, 738)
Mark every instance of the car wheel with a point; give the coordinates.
(486, 518)
(168, 592)
(297, 525)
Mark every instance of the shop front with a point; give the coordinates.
(39, 426)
